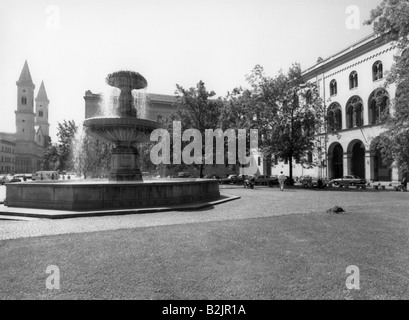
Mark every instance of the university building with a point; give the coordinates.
(352, 86)
(22, 151)
(157, 106)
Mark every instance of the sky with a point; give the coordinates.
(72, 45)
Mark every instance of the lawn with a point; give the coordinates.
(281, 257)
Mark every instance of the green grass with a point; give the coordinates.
(284, 257)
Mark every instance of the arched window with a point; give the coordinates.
(40, 113)
(354, 112)
(309, 157)
(378, 103)
(333, 88)
(23, 100)
(334, 117)
(377, 71)
(353, 80)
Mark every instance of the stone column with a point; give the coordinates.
(347, 163)
(369, 165)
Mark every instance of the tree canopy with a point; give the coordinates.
(287, 112)
(197, 110)
(390, 20)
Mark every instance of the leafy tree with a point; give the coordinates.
(237, 113)
(66, 135)
(287, 112)
(92, 158)
(390, 20)
(51, 158)
(197, 110)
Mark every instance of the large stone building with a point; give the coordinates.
(349, 83)
(22, 151)
(157, 106)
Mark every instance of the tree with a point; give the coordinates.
(390, 20)
(91, 157)
(66, 135)
(51, 158)
(237, 113)
(197, 110)
(287, 112)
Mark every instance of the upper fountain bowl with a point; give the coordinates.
(130, 79)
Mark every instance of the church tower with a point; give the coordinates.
(42, 113)
(25, 116)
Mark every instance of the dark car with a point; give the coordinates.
(262, 180)
(312, 182)
(273, 180)
(16, 179)
(231, 179)
(289, 181)
(347, 181)
(241, 178)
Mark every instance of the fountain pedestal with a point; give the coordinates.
(124, 165)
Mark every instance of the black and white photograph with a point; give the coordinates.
(204, 155)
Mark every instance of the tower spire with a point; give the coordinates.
(42, 94)
(25, 76)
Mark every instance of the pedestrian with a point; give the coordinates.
(404, 183)
(281, 180)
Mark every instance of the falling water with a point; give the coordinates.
(108, 104)
(77, 149)
(140, 102)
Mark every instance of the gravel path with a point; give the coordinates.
(260, 202)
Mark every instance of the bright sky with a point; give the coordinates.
(72, 45)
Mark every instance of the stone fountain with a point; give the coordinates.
(124, 189)
(125, 130)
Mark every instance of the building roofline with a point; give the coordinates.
(358, 48)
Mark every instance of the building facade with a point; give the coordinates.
(352, 86)
(32, 127)
(156, 106)
(7, 154)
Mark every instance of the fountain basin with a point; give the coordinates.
(121, 130)
(100, 195)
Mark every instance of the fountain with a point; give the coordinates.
(125, 188)
(125, 130)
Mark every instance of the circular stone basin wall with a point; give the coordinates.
(97, 195)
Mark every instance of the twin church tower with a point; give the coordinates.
(32, 127)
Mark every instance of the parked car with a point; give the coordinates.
(241, 178)
(263, 180)
(312, 182)
(3, 180)
(46, 175)
(183, 175)
(16, 179)
(347, 181)
(273, 180)
(21, 176)
(289, 181)
(211, 176)
(231, 179)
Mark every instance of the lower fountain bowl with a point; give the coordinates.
(105, 195)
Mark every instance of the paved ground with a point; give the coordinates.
(260, 202)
